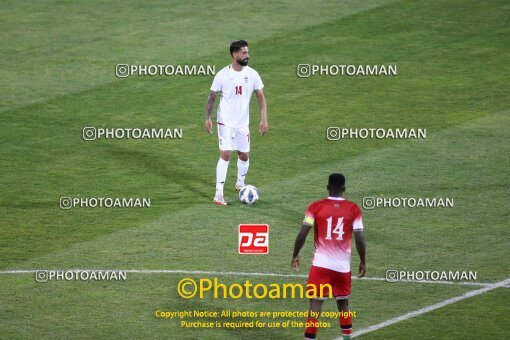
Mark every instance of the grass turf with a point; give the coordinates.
(452, 80)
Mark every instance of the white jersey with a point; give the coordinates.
(236, 89)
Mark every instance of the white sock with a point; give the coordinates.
(242, 170)
(221, 175)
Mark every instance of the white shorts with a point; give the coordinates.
(234, 138)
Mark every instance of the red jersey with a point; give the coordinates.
(333, 219)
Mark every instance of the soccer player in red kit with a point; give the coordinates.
(334, 219)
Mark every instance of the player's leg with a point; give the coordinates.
(345, 318)
(341, 291)
(243, 163)
(221, 175)
(313, 318)
(241, 142)
(225, 144)
(318, 277)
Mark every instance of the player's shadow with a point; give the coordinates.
(169, 168)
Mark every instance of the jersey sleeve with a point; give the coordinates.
(257, 83)
(309, 215)
(217, 83)
(357, 223)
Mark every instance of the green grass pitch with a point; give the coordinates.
(57, 76)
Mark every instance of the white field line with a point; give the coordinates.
(205, 272)
(430, 308)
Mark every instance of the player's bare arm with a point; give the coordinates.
(300, 241)
(208, 110)
(261, 99)
(361, 248)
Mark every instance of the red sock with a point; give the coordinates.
(346, 325)
(311, 329)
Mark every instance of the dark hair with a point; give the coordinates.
(336, 181)
(236, 45)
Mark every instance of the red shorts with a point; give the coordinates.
(340, 283)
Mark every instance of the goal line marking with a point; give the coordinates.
(219, 273)
(430, 308)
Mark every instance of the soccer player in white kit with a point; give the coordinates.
(236, 82)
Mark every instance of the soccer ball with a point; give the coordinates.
(248, 194)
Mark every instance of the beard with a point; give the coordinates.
(242, 62)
